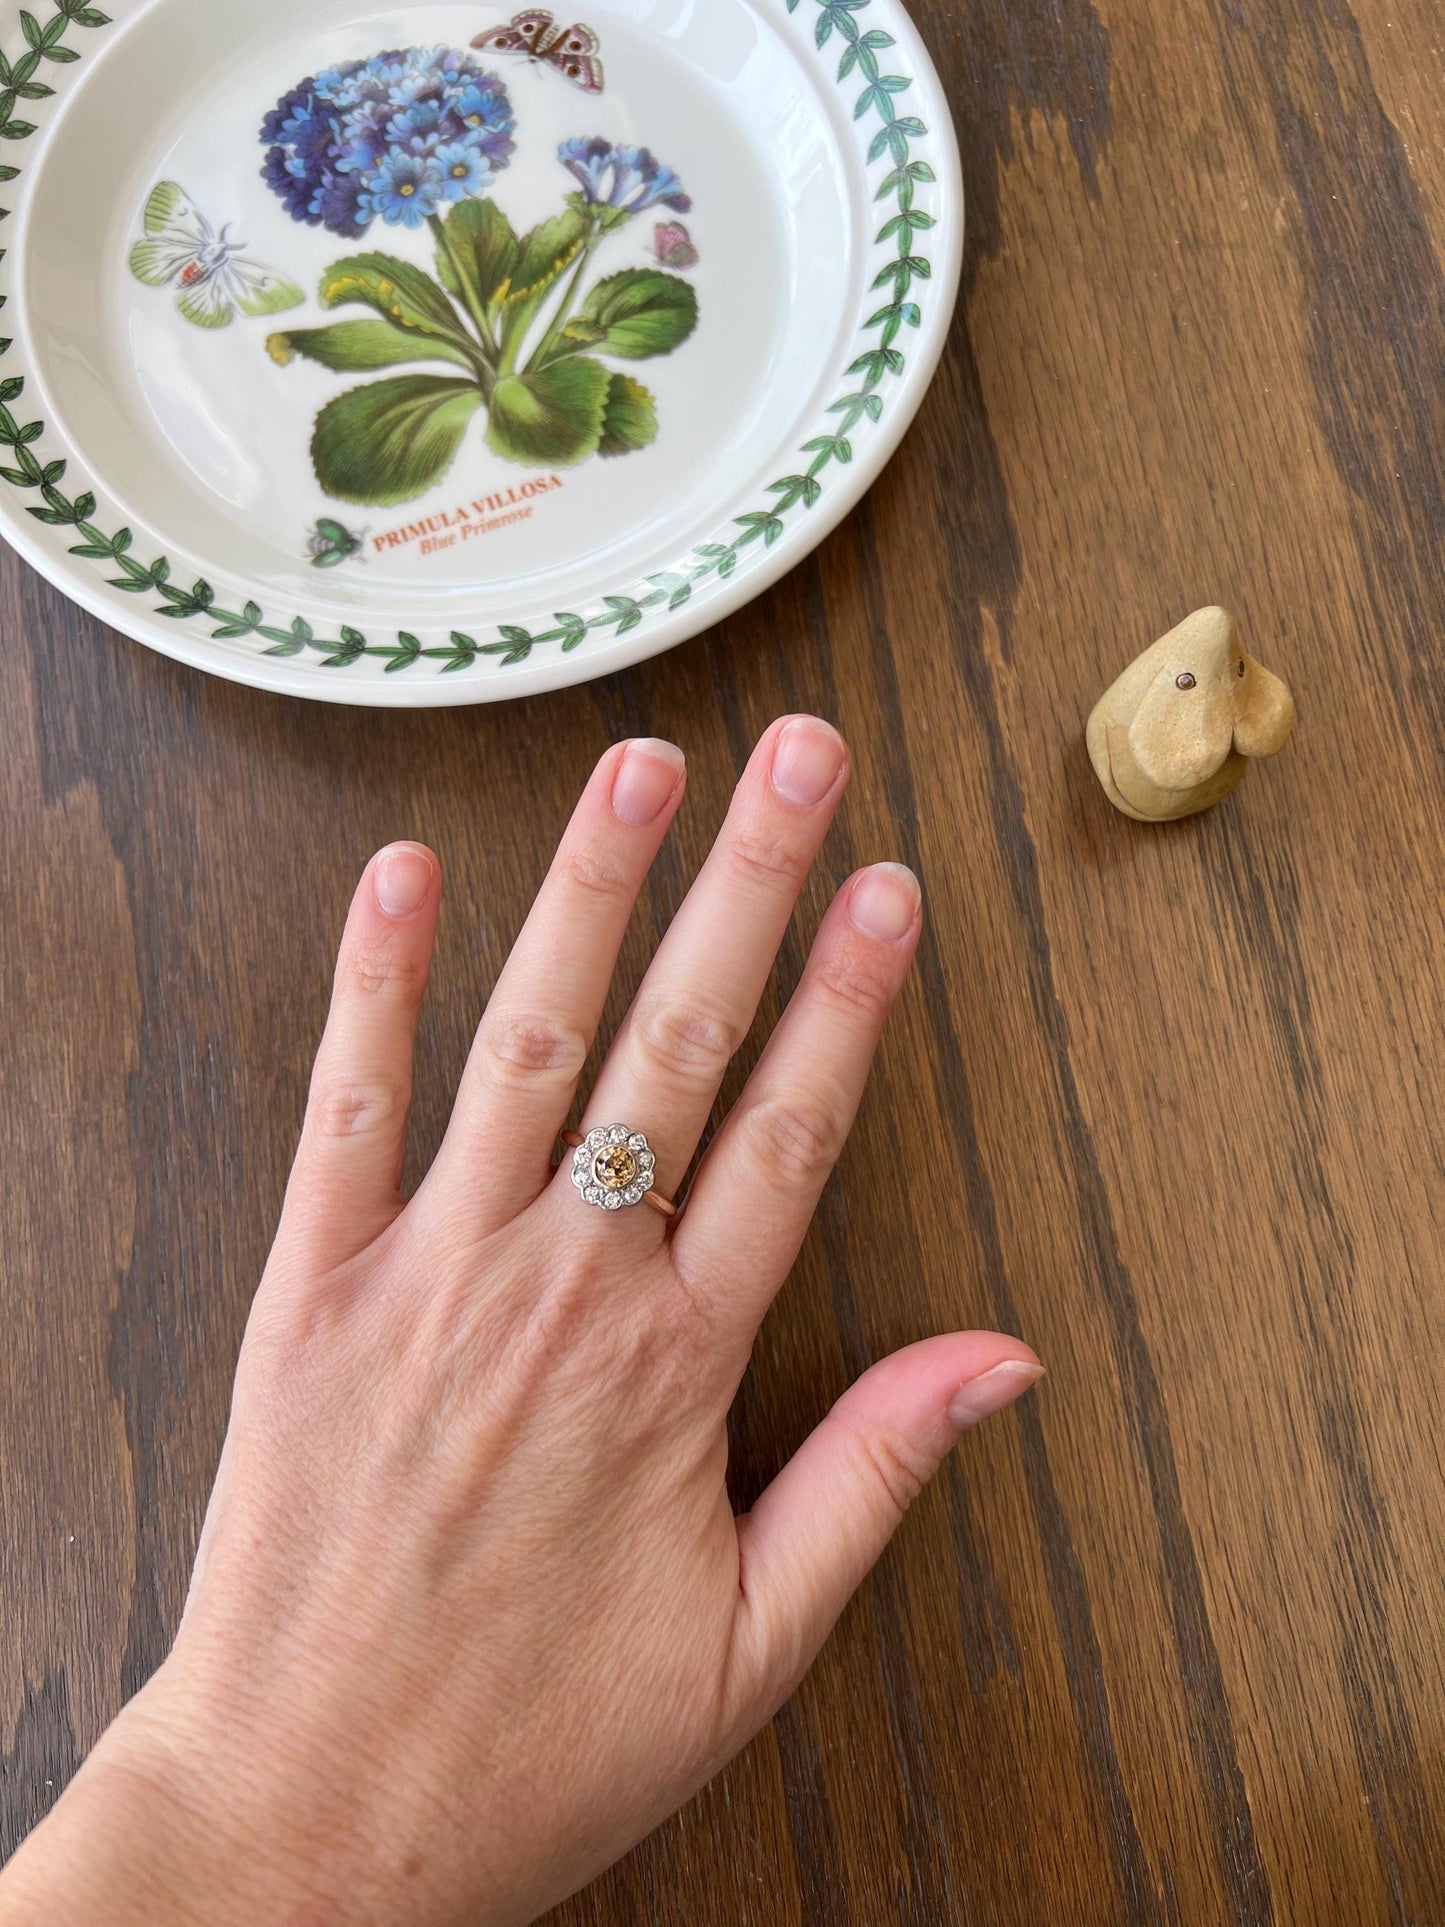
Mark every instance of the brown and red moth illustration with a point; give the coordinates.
(534, 33)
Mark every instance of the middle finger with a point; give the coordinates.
(699, 997)
(543, 1014)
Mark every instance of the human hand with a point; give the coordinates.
(471, 1611)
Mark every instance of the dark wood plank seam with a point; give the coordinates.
(1375, 315)
(929, 1880)
(43, 1755)
(1068, 1593)
(145, 1341)
(1210, 1729)
(1263, 913)
(1375, 301)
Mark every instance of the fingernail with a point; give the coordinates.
(807, 761)
(646, 777)
(885, 901)
(990, 1392)
(403, 877)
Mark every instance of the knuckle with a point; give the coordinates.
(896, 1468)
(594, 876)
(358, 1110)
(521, 1045)
(769, 860)
(850, 988)
(380, 969)
(686, 1041)
(797, 1140)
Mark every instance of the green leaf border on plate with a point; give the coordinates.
(668, 591)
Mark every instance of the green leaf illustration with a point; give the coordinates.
(625, 612)
(399, 292)
(543, 256)
(407, 652)
(676, 588)
(516, 644)
(486, 249)
(461, 655)
(552, 416)
(629, 419)
(356, 346)
(391, 440)
(634, 314)
(758, 522)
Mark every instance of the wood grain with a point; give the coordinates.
(1165, 1645)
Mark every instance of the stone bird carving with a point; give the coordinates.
(1175, 733)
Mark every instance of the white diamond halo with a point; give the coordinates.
(613, 1167)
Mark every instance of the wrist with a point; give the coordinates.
(116, 1846)
(177, 1818)
(158, 1829)
(137, 1837)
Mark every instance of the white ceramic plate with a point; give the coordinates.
(426, 354)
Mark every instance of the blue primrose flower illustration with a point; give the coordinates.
(406, 188)
(389, 138)
(514, 328)
(627, 178)
(463, 171)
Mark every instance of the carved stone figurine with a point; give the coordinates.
(1174, 734)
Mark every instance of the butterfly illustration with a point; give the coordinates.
(211, 281)
(535, 34)
(674, 246)
(330, 544)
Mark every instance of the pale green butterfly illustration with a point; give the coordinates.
(210, 278)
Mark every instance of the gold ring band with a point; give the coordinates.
(612, 1168)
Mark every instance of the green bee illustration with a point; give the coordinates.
(330, 544)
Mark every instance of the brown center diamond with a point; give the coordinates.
(616, 1167)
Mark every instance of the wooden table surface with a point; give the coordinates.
(1164, 1644)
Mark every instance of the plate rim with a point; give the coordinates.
(785, 543)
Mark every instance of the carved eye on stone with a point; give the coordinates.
(1186, 681)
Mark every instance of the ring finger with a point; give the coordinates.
(699, 996)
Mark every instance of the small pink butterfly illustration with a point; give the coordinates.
(534, 33)
(674, 245)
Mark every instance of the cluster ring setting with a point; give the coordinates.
(614, 1168)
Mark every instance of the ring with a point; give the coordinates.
(613, 1166)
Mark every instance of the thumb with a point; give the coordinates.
(822, 1524)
